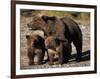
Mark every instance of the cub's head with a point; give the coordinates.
(34, 41)
(30, 40)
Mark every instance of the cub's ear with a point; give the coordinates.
(45, 18)
(27, 36)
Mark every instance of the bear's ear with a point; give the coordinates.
(27, 36)
(52, 18)
(45, 18)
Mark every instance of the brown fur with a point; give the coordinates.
(62, 28)
(35, 47)
(59, 47)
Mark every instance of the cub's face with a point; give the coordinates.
(52, 42)
(35, 41)
(31, 40)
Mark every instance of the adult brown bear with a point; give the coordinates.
(62, 28)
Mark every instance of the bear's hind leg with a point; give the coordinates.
(78, 45)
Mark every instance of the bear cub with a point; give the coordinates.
(60, 47)
(35, 47)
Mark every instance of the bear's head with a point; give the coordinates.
(34, 41)
(52, 42)
(42, 22)
(37, 23)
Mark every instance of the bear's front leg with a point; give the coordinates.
(31, 56)
(39, 55)
(51, 56)
(59, 50)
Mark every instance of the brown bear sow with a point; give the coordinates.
(35, 47)
(63, 28)
(60, 47)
